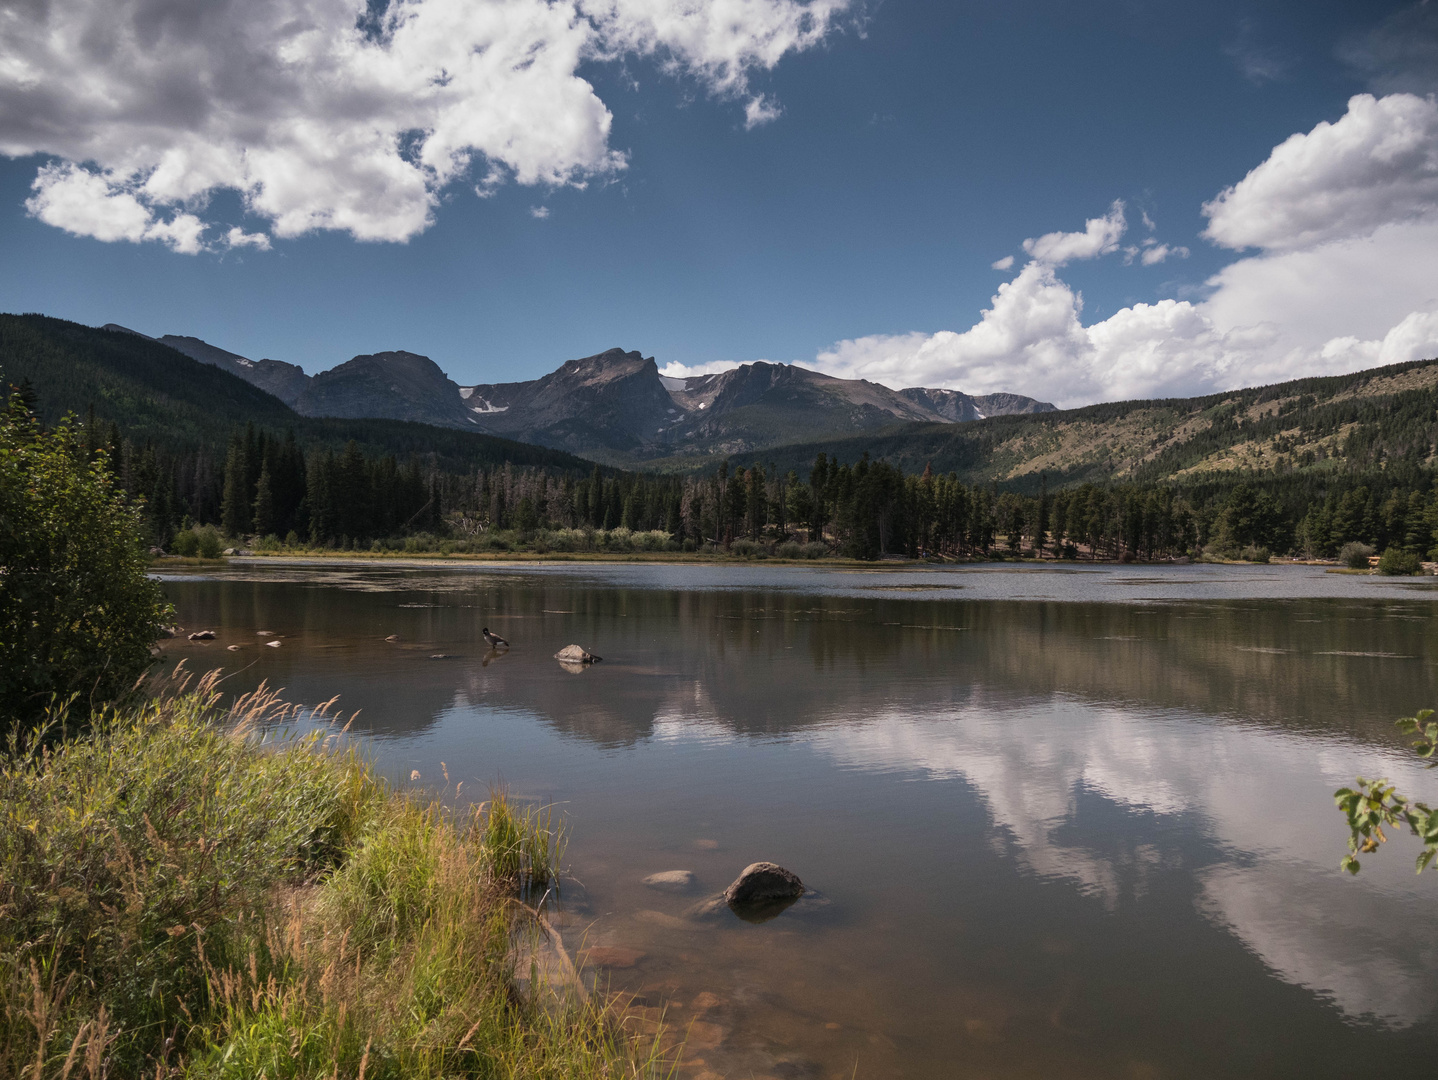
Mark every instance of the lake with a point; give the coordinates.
(1060, 821)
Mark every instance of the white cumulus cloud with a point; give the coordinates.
(1376, 165)
(1099, 237)
(322, 114)
(238, 238)
(1345, 276)
(90, 204)
(1153, 254)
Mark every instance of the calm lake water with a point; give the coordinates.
(1062, 822)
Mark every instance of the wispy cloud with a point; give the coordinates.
(1258, 63)
(1400, 53)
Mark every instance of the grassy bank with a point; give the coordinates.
(177, 900)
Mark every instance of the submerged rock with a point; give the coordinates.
(272, 644)
(612, 956)
(574, 654)
(671, 881)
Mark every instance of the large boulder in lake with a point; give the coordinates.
(763, 883)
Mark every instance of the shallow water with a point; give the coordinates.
(1062, 822)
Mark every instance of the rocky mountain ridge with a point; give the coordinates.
(614, 406)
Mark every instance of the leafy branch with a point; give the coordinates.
(1376, 804)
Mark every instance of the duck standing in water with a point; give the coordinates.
(493, 640)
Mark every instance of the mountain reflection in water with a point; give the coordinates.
(1126, 786)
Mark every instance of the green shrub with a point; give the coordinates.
(204, 541)
(790, 550)
(1397, 562)
(1354, 555)
(1258, 554)
(211, 543)
(78, 611)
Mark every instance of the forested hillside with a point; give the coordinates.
(1317, 425)
(159, 397)
(1305, 467)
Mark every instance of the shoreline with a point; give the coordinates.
(891, 562)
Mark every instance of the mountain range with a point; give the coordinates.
(154, 394)
(614, 407)
(1384, 420)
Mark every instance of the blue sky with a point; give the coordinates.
(915, 144)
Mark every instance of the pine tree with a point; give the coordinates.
(264, 519)
(235, 504)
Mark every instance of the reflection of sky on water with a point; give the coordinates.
(1259, 797)
(1148, 781)
(1057, 582)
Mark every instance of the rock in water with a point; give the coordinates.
(203, 635)
(763, 883)
(573, 654)
(671, 881)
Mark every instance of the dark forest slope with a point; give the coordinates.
(153, 393)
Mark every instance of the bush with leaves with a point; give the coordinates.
(78, 613)
(1355, 555)
(1399, 563)
(1375, 804)
(201, 540)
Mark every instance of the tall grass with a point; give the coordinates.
(177, 900)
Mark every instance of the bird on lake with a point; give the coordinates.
(494, 640)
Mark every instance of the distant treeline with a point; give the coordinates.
(268, 486)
